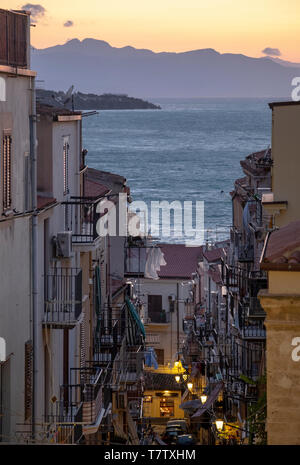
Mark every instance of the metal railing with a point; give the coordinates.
(63, 297)
(158, 317)
(255, 308)
(254, 332)
(128, 366)
(108, 338)
(81, 218)
(80, 403)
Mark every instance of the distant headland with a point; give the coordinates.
(90, 101)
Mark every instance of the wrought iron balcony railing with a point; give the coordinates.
(81, 218)
(108, 338)
(63, 298)
(254, 332)
(81, 403)
(158, 318)
(128, 366)
(255, 309)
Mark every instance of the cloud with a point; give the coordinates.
(68, 23)
(37, 11)
(275, 52)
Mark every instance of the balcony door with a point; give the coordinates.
(155, 310)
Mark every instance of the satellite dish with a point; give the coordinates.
(69, 97)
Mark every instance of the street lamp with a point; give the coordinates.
(203, 398)
(219, 425)
(177, 378)
(190, 386)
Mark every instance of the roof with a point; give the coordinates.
(54, 112)
(114, 182)
(259, 155)
(181, 260)
(43, 202)
(94, 189)
(214, 254)
(160, 382)
(258, 163)
(283, 104)
(282, 250)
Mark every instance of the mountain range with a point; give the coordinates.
(95, 66)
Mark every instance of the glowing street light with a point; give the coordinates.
(190, 386)
(203, 398)
(219, 425)
(177, 378)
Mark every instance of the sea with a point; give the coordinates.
(189, 151)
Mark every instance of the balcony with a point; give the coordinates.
(81, 404)
(128, 367)
(81, 218)
(63, 298)
(254, 333)
(189, 311)
(230, 276)
(108, 339)
(255, 309)
(159, 317)
(245, 253)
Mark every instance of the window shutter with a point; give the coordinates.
(66, 166)
(13, 38)
(6, 164)
(28, 380)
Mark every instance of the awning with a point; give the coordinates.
(191, 404)
(135, 315)
(211, 399)
(93, 428)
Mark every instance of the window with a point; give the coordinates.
(160, 356)
(66, 147)
(166, 407)
(155, 310)
(6, 171)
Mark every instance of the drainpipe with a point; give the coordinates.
(177, 300)
(34, 255)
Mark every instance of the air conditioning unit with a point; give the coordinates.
(64, 244)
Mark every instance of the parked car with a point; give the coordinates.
(180, 423)
(170, 436)
(185, 440)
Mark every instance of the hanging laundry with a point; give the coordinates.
(155, 259)
(150, 358)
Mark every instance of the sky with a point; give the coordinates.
(233, 26)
